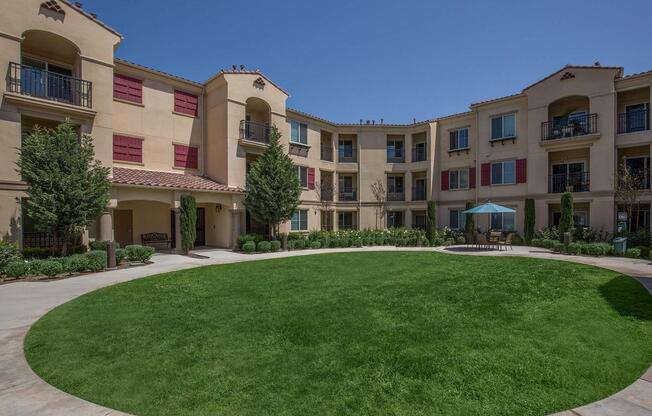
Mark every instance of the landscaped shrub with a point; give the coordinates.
(549, 244)
(50, 268)
(574, 248)
(243, 238)
(315, 245)
(8, 253)
(529, 220)
(645, 251)
(16, 269)
(566, 218)
(139, 253)
(264, 246)
(34, 267)
(357, 242)
(101, 245)
(558, 247)
(300, 244)
(275, 245)
(76, 263)
(633, 253)
(460, 240)
(249, 247)
(37, 252)
(536, 242)
(97, 260)
(120, 254)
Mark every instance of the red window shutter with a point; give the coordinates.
(311, 178)
(521, 171)
(186, 156)
(471, 178)
(444, 180)
(127, 149)
(485, 174)
(127, 88)
(185, 103)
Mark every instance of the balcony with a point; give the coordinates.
(573, 182)
(418, 193)
(348, 195)
(576, 126)
(396, 196)
(51, 86)
(347, 155)
(326, 196)
(254, 132)
(418, 154)
(327, 152)
(633, 121)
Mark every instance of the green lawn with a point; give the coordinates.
(400, 333)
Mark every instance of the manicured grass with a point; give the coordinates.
(402, 333)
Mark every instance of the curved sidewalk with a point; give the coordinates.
(23, 393)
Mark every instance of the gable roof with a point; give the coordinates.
(258, 72)
(567, 67)
(92, 17)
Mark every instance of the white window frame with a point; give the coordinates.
(491, 172)
(299, 140)
(300, 224)
(457, 139)
(502, 126)
(299, 170)
(459, 179)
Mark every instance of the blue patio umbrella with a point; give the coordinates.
(488, 208)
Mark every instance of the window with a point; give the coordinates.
(346, 151)
(458, 179)
(419, 152)
(503, 173)
(185, 157)
(185, 103)
(502, 221)
(503, 127)
(299, 132)
(300, 220)
(302, 173)
(395, 184)
(127, 149)
(127, 88)
(345, 220)
(457, 219)
(395, 219)
(395, 151)
(580, 218)
(459, 139)
(419, 220)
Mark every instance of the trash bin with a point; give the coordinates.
(620, 245)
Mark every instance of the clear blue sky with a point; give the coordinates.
(345, 59)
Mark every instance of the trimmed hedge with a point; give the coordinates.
(16, 269)
(249, 246)
(120, 255)
(275, 245)
(97, 260)
(50, 268)
(138, 253)
(264, 246)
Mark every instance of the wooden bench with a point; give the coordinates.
(151, 239)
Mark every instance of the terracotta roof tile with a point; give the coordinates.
(142, 177)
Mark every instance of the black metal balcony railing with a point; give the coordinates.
(348, 195)
(254, 131)
(396, 196)
(418, 193)
(573, 182)
(633, 121)
(327, 152)
(642, 176)
(395, 157)
(569, 127)
(418, 154)
(26, 80)
(347, 155)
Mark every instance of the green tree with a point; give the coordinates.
(529, 220)
(188, 222)
(469, 225)
(272, 187)
(566, 219)
(431, 221)
(67, 187)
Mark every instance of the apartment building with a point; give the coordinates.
(164, 136)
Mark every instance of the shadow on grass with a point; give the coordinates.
(628, 297)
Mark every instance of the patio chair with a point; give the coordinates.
(507, 242)
(494, 239)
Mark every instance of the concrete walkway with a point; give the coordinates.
(23, 393)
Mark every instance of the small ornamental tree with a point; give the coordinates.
(566, 219)
(188, 222)
(529, 220)
(272, 187)
(66, 186)
(469, 225)
(431, 221)
(380, 195)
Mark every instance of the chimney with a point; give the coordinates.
(78, 4)
(596, 63)
(241, 67)
(414, 120)
(368, 121)
(360, 121)
(94, 15)
(234, 67)
(382, 121)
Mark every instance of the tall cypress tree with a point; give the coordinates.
(566, 219)
(431, 221)
(67, 187)
(272, 187)
(529, 220)
(188, 222)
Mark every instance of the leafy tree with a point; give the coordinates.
(628, 188)
(67, 187)
(380, 195)
(566, 220)
(469, 225)
(272, 187)
(188, 222)
(431, 221)
(529, 220)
